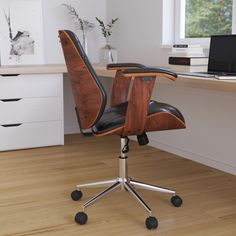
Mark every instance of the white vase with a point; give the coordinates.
(107, 54)
(84, 42)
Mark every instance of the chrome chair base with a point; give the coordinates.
(125, 183)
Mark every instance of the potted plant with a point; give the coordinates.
(107, 54)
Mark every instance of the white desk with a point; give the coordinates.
(31, 107)
(208, 139)
(187, 81)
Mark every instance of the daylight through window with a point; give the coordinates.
(199, 19)
(208, 17)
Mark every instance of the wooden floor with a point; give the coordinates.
(35, 188)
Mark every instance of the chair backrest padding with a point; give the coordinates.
(89, 94)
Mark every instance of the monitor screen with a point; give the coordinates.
(222, 56)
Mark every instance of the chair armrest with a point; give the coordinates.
(122, 66)
(121, 84)
(136, 115)
(149, 72)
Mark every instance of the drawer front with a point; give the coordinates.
(28, 110)
(26, 86)
(31, 135)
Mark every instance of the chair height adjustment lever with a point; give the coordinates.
(125, 149)
(126, 146)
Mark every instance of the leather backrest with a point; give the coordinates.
(89, 94)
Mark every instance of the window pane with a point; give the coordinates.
(208, 17)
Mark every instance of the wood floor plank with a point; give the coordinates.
(35, 187)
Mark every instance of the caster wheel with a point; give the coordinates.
(176, 201)
(76, 195)
(81, 218)
(151, 222)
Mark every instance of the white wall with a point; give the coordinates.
(210, 115)
(138, 35)
(56, 17)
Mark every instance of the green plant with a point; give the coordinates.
(208, 17)
(107, 28)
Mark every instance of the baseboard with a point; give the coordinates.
(193, 156)
(71, 130)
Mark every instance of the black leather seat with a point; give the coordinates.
(114, 117)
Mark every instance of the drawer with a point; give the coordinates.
(25, 86)
(31, 135)
(31, 110)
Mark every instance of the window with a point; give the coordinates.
(196, 20)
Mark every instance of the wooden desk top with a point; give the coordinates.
(33, 69)
(183, 81)
(48, 69)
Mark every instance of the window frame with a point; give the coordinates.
(179, 25)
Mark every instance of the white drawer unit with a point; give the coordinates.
(28, 110)
(31, 111)
(29, 86)
(30, 135)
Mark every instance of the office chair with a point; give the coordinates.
(128, 115)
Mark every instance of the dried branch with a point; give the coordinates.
(80, 24)
(106, 29)
(8, 20)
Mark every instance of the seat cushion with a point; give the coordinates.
(114, 117)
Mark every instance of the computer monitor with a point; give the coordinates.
(222, 56)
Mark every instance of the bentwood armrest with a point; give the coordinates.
(122, 66)
(121, 84)
(140, 96)
(138, 105)
(149, 72)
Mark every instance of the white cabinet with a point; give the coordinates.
(31, 111)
